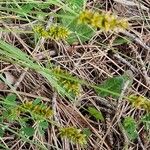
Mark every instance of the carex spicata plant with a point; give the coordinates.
(71, 86)
(54, 32)
(41, 31)
(140, 102)
(104, 21)
(38, 111)
(73, 134)
(24, 115)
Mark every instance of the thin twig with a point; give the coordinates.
(126, 62)
(137, 40)
(141, 144)
(20, 79)
(54, 106)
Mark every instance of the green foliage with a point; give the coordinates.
(146, 121)
(71, 87)
(23, 112)
(1, 132)
(76, 5)
(87, 132)
(130, 127)
(42, 126)
(36, 101)
(95, 113)
(78, 31)
(9, 105)
(80, 24)
(113, 86)
(27, 8)
(28, 131)
(10, 101)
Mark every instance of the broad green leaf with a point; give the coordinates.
(76, 5)
(130, 127)
(10, 101)
(95, 113)
(87, 132)
(41, 131)
(79, 32)
(11, 98)
(42, 127)
(36, 101)
(114, 85)
(27, 8)
(43, 124)
(28, 131)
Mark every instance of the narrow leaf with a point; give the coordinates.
(95, 113)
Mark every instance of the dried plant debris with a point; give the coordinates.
(74, 75)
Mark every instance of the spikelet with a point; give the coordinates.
(38, 110)
(96, 20)
(73, 134)
(85, 17)
(140, 102)
(71, 86)
(54, 32)
(58, 32)
(104, 21)
(41, 31)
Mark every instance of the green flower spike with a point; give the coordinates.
(140, 102)
(41, 31)
(58, 32)
(54, 32)
(39, 110)
(103, 21)
(85, 17)
(73, 134)
(71, 86)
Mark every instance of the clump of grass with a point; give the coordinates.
(73, 134)
(55, 32)
(104, 21)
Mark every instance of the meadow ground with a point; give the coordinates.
(74, 75)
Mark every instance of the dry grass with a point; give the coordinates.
(94, 61)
